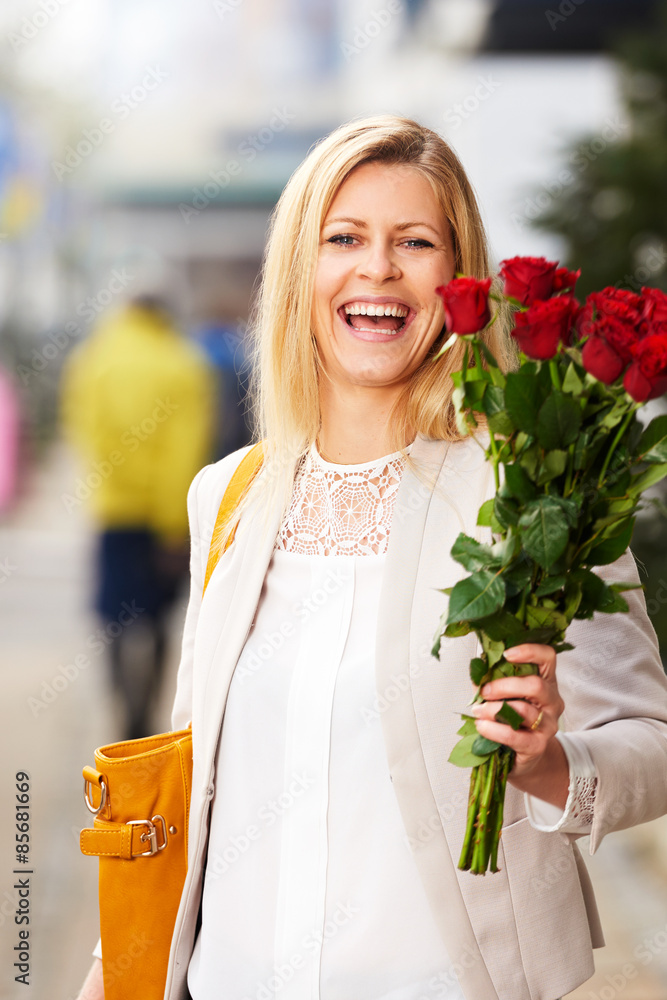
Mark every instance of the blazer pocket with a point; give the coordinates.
(549, 907)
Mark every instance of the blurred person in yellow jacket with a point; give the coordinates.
(138, 403)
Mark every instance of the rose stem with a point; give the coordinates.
(473, 798)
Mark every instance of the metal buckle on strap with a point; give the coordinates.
(89, 802)
(150, 836)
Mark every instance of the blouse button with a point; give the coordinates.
(209, 791)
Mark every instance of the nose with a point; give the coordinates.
(378, 262)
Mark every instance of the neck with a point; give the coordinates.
(356, 424)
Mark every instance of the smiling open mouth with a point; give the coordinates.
(388, 319)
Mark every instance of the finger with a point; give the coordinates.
(544, 657)
(522, 740)
(530, 713)
(531, 688)
(489, 709)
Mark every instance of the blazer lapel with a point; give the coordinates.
(406, 600)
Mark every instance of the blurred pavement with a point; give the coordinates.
(54, 714)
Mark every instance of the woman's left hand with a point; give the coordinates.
(540, 760)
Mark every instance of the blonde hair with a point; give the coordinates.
(286, 389)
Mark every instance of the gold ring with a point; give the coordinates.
(536, 724)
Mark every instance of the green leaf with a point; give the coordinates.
(572, 383)
(494, 650)
(468, 728)
(494, 400)
(652, 445)
(553, 464)
(544, 530)
(540, 617)
(471, 554)
(550, 585)
(457, 629)
(506, 511)
(519, 483)
(617, 603)
(482, 747)
(477, 596)
(500, 423)
(558, 421)
(642, 482)
(501, 627)
(485, 514)
(509, 715)
(478, 670)
(611, 549)
(519, 575)
(523, 399)
(563, 647)
(462, 755)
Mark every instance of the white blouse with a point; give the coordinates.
(311, 891)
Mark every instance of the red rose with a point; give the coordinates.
(618, 302)
(646, 378)
(622, 336)
(654, 305)
(541, 327)
(601, 360)
(466, 304)
(564, 280)
(528, 278)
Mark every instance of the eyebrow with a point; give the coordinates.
(360, 224)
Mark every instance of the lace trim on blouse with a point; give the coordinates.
(582, 792)
(341, 509)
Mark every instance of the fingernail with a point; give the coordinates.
(476, 710)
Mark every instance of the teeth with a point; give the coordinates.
(368, 309)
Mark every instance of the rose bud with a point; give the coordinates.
(564, 280)
(654, 305)
(544, 325)
(528, 278)
(601, 360)
(466, 304)
(646, 378)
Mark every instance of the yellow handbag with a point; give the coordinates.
(139, 793)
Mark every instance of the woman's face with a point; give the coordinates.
(384, 249)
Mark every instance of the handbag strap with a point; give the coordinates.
(240, 482)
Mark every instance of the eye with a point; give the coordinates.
(413, 243)
(342, 239)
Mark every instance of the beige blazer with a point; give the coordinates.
(525, 933)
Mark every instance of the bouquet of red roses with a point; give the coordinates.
(575, 460)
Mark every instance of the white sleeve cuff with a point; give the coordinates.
(577, 817)
(97, 953)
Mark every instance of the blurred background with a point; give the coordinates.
(142, 148)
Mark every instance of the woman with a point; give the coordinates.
(325, 820)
